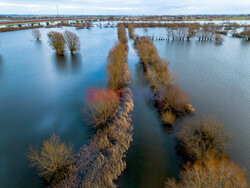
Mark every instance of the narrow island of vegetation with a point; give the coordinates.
(202, 142)
(100, 162)
(173, 101)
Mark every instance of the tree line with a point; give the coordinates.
(202, 142)
(101, 161)
(174, 101)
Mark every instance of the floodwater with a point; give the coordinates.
(41, 94)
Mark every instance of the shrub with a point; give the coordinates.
(199, 136)
(52, 159)
(72, 41)
(36, 33)
(168, 117)
(218, 39)
(117, 67)
(57, 41)
(89, 25)
(131, 31)
(212, 172)
(175, 99)
(102, 111)
(122, 36)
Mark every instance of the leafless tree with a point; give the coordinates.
(51, 159)
(218, 39)
(36, 33)
(213, 172)
(102, 110)
(57, 41)
(72, 41)
(202, 135)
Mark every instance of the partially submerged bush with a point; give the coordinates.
(36, 33)
(212, 172)
(52, 159)
(168, 117)
(162, 80)
(72, 41)
(118, 76)
(102, 111)
(200, 136)
(218, 39)
(131, 31)
(57, 41)
(122, 36)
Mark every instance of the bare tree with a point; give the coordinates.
(102, 110)
(218, 39)
(212, 172)
(57, 41)
(200, 136)
(72, 41)
(36, 33)
(52, 159)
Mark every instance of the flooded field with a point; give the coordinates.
(41, 94)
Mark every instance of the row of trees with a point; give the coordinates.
(202, 142)
(185, 31)
(174, 102)
(58, 41)
(87, 25)
(100, 162)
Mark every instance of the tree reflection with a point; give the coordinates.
(61, 62)
(76, 62)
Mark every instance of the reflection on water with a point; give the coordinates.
(1, 66)
(42, 93)
(61, 62)
(76, 62)
(68, 63)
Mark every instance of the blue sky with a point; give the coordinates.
(125, 7)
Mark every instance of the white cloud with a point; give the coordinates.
(125, 6)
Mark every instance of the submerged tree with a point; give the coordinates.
(57, 41)
(51, 159)
(213, 172)
(36, 33)
(200, 136)
(218, 39)
(72, 41)
(102, 109)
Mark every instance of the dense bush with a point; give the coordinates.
(200, 136)
(131, 31)
(57, 41)
(102, 111)
(213, 172)
(118, 76)
(52, 159)
(218, 39)
(122, 36)
(72, 41)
